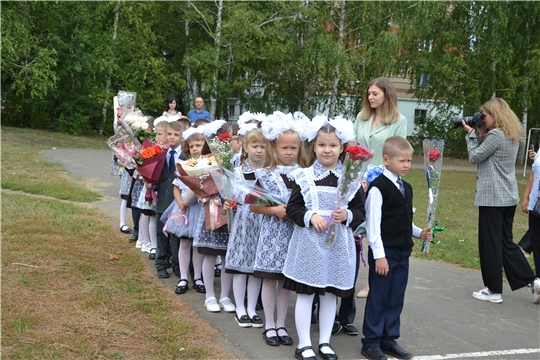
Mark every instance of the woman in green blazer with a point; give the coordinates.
(378, 120)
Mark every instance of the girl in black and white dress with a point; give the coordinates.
(312, 265)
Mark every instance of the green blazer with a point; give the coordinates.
(362, 130)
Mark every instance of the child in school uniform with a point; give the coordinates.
(245, 232)
(312, 265)
(390, 229)
(284, 154)
(185, 203)
(211, 244)
(164, 188)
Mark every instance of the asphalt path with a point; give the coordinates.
(440, 319)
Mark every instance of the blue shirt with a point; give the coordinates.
(194, 115)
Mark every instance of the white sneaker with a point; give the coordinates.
(139, 244)
(536, 290)
(486, 295)
(146, 248)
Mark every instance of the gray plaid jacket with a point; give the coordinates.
(496, 156)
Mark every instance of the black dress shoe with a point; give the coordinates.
(397, 351)
(373, 353)
(325, 355)
(181, 289)
(272, 340)
(152, 255)
(299, 356)
(162, 274)
(285, 339)
(336, 328)
(200, 288)
(126, 229)
(350, 329)
(133, 238)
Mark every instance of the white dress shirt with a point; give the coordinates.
(373, 217)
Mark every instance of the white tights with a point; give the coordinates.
(302, 316)
(208, 274)
(239, 290)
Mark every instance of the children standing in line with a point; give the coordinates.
(312, 265)
(284, 153)
(164, 189)
(245, 232)
(186, 202)
(390, 230)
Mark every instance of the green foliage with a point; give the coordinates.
(57, 57)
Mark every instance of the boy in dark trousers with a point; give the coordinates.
(390, 230)
(164, 189)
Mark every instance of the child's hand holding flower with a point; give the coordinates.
(340, 215)
(426, 233)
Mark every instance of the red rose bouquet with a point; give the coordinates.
(356, 161)
(150, 160)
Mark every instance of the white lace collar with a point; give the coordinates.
(284, 170)
(247, 168)
(320, 172)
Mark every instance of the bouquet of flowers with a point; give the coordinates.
(433, 156)
(356, 161)
(139, 126)
(259, 197)
(150, 160)
(200, 166)
(126, 105)
(223, 153)
(124, 149)
(199, 176)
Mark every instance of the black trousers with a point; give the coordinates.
(498, 251)
(534, 236)
(525, 242)
(167, 246)
(135, 216)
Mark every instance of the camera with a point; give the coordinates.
(477, 120)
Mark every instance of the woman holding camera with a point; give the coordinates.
(495, 149)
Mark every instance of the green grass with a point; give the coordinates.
(24, 169)
(62, 296)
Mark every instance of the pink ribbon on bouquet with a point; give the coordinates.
(214, 204)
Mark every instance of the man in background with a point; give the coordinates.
(199, 111)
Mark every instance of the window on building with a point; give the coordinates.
(423, 82)
(420, 115)
(232, 109)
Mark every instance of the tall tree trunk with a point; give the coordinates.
(522, 153)
(191, 83)
(217, 44)
(337, 72)
(108, 84)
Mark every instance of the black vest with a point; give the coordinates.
(397, 213)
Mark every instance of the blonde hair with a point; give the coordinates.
(390, 111)
(270, 157)
(504, 118)
(395, 146)
(254, 135)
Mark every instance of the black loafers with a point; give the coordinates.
(200, 288)
(163, 274)
(272, 340)
(397, 351)
(350, 329)
(373, 353)
(126, 229)
(299, 356)
(285, 339)
(133, 238)
(325, 355)
(181, 289)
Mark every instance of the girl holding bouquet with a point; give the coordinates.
(210, 243)
(284, 153)
(181, 219)
(312, 265)
(245, 232)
